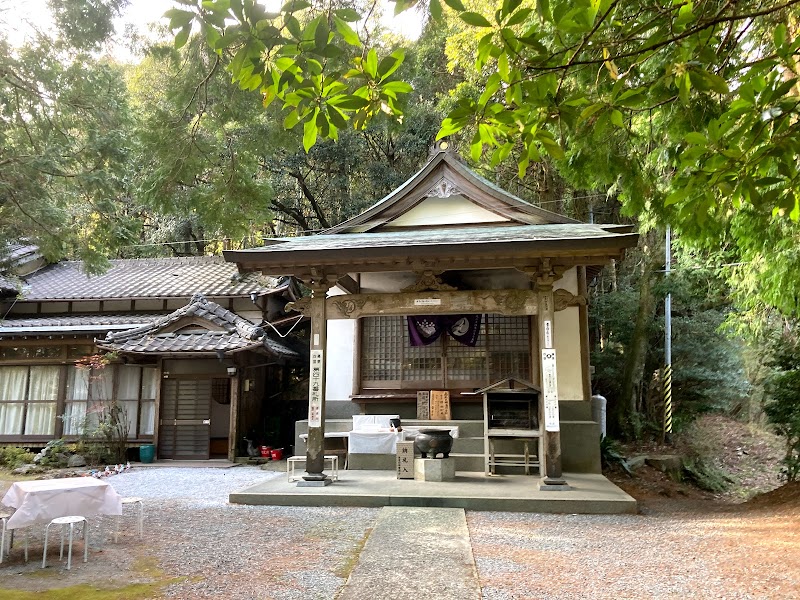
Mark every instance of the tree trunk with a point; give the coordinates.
(626, 414)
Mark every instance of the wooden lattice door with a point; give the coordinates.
(185, 423)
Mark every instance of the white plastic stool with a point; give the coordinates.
(293, 460)
(64, 521)
(135, 500)
(4, 517)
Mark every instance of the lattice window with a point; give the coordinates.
(509, 347)
(383, 341)
(389, 361)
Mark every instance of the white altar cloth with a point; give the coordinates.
(42, 501)
(375, 442)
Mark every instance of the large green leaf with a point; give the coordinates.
(475, 19)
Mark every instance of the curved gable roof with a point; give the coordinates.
(446, 176)
(225, 331)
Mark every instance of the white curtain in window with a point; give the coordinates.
(148, 419)
(11, 418)
(77, 394)
(13, 381)
(44, 383)
(101, 384)
(149, 383)
(128, 386)
(78, 384)
(41, 418)
(74, 415)
(131, 408)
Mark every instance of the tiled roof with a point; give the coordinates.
(209, 341)
(201, 308)
(205, 342)
(237, 334)
(145, 278)
(8, 287)
(76, 322)
(434, 237)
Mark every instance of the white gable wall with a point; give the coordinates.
(453, 210)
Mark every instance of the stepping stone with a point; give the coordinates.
(416, 553)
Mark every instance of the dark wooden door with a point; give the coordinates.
(185, 423)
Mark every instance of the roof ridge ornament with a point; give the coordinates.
(444, 188)
(428, 280)
(442, 145)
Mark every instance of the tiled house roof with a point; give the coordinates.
(144, 278)
(223, 331)
(8, 287)
(73, 323)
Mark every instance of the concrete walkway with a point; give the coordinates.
(589, 493)
(415, 553)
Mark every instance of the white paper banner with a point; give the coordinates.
(315, 390)
(550, 390)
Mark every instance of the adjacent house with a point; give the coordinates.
(185, 345)
(451, 284)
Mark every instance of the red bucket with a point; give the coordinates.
(266, 451)
(277, 454)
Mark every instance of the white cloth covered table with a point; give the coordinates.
(43, 500)
(375, 442)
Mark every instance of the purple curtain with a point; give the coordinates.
(424, 330)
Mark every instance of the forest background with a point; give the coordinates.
(228, 124)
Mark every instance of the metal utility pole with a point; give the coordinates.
(668, 345)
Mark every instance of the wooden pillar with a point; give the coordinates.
(552, 436)
(233, 426)
(315, 453)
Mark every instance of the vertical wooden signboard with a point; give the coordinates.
(423, 406)
(440, 405)
(550, 390)
(405, 460)
(315, 389)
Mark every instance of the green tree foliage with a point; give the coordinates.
(708, 364)
(198, 143)
(308, 58)
(64, 120)
(688, 111)
(783, 406)
(212, 162)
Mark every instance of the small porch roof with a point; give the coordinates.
(200, 327)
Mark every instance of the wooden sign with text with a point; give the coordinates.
(423, 406)
(440, 405)
(405, 460)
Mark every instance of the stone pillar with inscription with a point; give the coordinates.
(552, 479)
(315, 453)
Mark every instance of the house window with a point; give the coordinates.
(89, 392)
(388, 360)
(28, 397)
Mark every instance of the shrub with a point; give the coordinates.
(14, 456)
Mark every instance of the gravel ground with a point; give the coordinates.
(687, 554)
(198, 546)
(207, 547)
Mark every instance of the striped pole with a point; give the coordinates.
(668, 345)
(668, 404)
